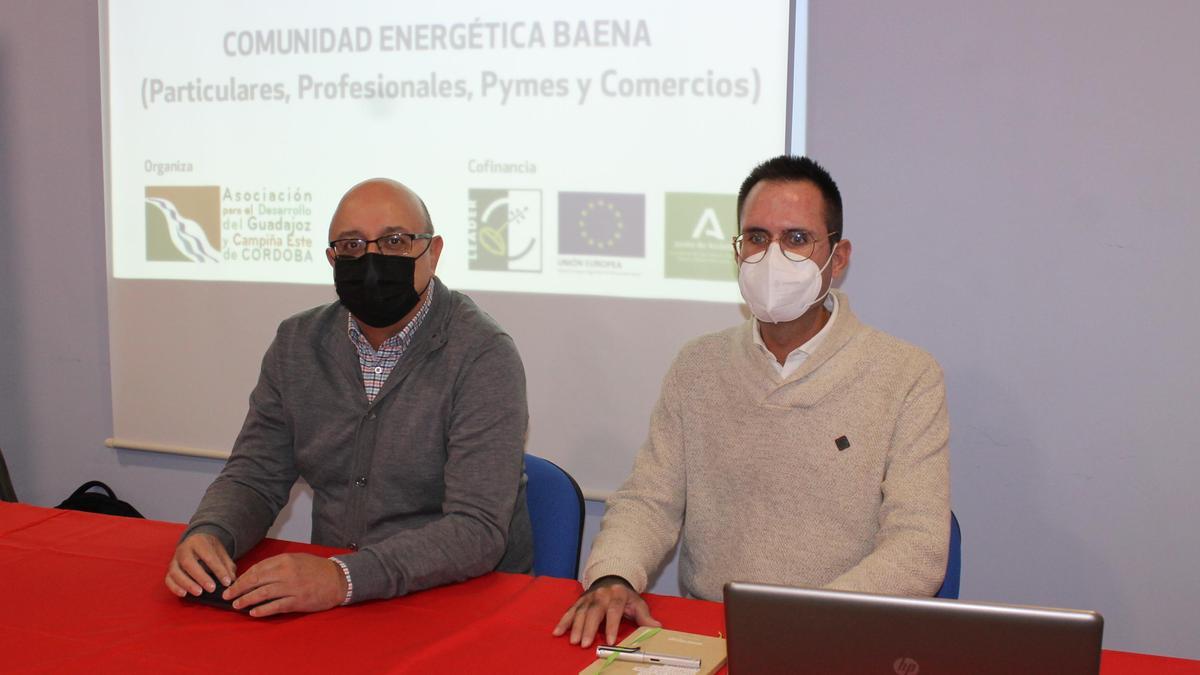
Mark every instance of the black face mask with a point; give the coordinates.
(377, 289)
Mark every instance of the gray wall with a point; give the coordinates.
(1021, 188)
(1019, 180)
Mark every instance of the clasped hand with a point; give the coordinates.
(290, 582)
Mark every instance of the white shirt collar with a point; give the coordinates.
(800, 354)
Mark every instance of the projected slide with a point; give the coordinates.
(573, 148)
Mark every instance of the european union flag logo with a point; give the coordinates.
(602, 223)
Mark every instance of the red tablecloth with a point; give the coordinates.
(85, 593)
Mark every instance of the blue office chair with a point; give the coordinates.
(949, 587)
(7, 493)
(556, 512)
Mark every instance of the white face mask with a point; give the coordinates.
(778, 289)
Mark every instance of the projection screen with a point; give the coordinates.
(561, 149)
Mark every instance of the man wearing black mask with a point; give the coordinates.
(402, 406)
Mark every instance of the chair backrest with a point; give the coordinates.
(7, 493)
(949, 587)
(556, 512)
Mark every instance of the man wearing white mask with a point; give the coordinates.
(801, 447)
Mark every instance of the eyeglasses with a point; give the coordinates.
(797, 245)
(397, 243)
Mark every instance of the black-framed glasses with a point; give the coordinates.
(796, 245)
(396, 243)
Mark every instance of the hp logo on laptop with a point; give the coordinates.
(906, 666)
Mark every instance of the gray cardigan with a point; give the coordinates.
(425, 483)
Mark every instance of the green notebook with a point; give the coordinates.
(652, 644)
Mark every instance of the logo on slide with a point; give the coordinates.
(504, 228)
(699, 230)
(598, 223)
(183, 223)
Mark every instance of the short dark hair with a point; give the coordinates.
(786, 168)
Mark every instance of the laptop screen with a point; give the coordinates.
(779, 629)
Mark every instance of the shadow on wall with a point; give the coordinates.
(1004, 490)
(191, 476)
(294, 522)
(13, 404)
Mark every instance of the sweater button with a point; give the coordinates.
(361, 482)
(352, 546)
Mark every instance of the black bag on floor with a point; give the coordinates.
(98, 502)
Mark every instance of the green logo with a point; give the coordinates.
(699, 236)
(505, 230)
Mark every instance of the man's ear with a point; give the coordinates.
(435, 252)
(841, 258)
(330, 256)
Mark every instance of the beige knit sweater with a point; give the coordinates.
(745, 467)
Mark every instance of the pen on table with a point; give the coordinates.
(636, 655)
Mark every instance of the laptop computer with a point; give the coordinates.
(779, 629)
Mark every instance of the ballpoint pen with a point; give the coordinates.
(636, 655)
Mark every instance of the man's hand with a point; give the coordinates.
(291, 582)
(609, 598)
(186, 575)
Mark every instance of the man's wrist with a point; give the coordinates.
(610, 580)
(349, 594)
(216, 531)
